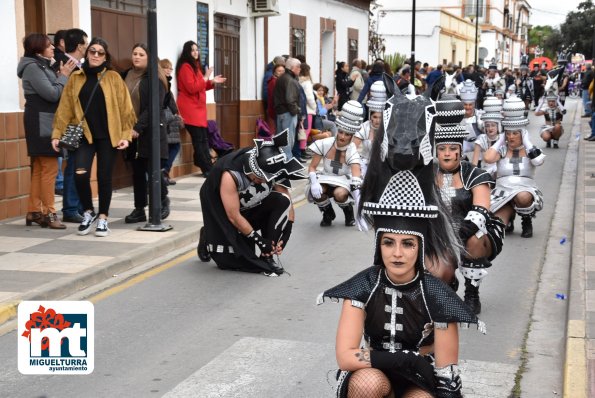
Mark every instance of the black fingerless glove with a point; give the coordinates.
(286, 233)
(533, 152)
(407, 364)
(265, 245)
(467, 230)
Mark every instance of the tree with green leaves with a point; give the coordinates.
(579, 29)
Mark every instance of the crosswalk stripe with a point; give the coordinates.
(260, 367)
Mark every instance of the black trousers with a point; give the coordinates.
(270, 218)
(140, 172)
(83, 160)
(200, 143)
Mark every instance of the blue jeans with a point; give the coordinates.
(287, 121)
(60, 176)
(592, 124)
(586, 101)
(71, 203)
(174, 149)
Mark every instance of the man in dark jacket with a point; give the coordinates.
(286, 98)
(75, 46)
(434, 75)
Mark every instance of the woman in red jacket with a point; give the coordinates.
(192, 102)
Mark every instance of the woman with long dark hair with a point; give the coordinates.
(343, 83)
(107, 128)
(192, 101)
(42, 87)
(137, 81)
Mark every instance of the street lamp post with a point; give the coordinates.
(476, 28)
(476, 17)
(413, 41)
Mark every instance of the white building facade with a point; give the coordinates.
(445, 30)
(237, 37)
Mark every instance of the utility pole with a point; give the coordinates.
(476, 29)
(413, 42)
(154, 223)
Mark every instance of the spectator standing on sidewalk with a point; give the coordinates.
(272, 82)
(592, 95)
(75, 45)
(358, 79)
(343, 83)
(192, 101)
(308, 87)
(107, 128)
(287, 102)
(585, 83)
(374, 76)
(173, 122)
(42, 87)
(59, 56)
(268, 73)
(139, 151)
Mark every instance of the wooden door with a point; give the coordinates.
(121, 30)
(227, 63)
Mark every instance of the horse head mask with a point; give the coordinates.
(407, 129)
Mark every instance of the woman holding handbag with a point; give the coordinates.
(42, 87)
(107, 128)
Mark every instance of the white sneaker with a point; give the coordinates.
(88, 219)
(102, 228)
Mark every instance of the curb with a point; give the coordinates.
(72, 284)
(575, 363)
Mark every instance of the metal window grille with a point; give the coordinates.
(298, 42)
(353, 50)
(471, 8)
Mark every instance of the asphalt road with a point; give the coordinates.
(195, 331)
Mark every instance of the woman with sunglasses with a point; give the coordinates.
(107, 128)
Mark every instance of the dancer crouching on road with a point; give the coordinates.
(340, 178)
(246, 192)
(516, 191)
(465, 190)
(552, 130)
(398, 333)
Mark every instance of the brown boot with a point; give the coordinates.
(54, 222)
(37, 218)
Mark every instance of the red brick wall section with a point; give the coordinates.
(15, 173)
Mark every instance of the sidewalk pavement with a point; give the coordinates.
(43, 264)
(579, 369)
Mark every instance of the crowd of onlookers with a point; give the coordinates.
(308, 111)
(70, 86)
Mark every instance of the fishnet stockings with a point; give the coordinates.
(415, 392)
(369, 383)
(372, 383)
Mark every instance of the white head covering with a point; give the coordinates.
(468, 92)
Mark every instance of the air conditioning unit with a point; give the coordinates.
(263, 8)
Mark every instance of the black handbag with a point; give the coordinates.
(72, 137)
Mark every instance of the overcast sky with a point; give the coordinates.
(551, 12)
(544, 12)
